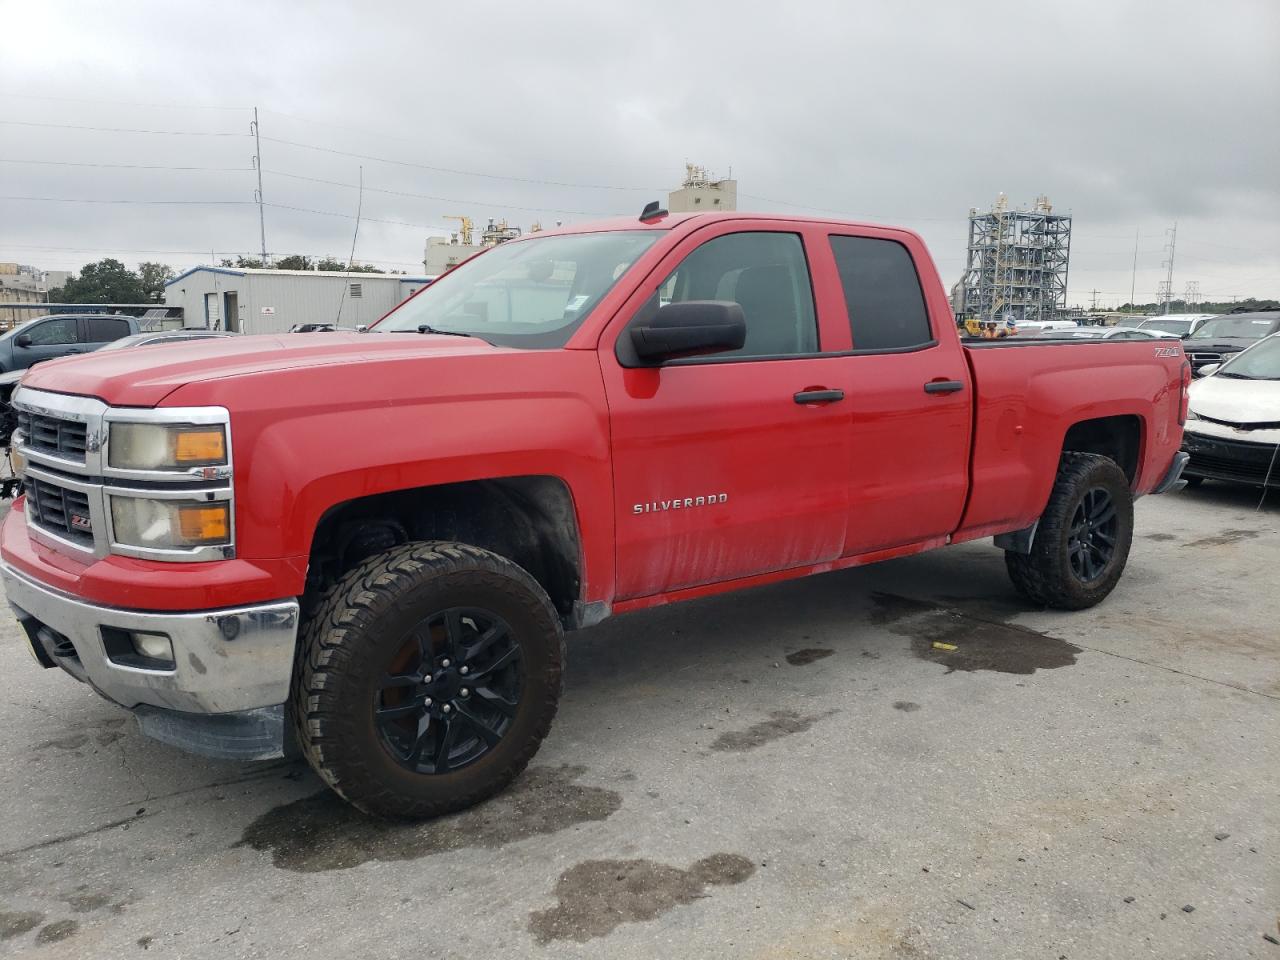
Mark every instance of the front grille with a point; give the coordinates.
(1256, 425)
(59, 510)
(1205, 357)
(64, 438)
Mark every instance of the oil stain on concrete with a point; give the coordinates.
(597, 896)
(781, 723)
(14, 923)
(322, 832)
(56, 931)
(976, 638)
(1223, 539)
(906, 706)
(804, 657)
(1160, 537)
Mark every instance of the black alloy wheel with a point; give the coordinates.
(1091, 543)
(451, 692)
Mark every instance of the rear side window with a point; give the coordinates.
(882, 293)
(104, 329)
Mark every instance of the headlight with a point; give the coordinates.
(1192, 415)
(170, 524)
(166, 446)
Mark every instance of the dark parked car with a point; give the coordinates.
(10, 380)
(60, 335)
(1222, 337)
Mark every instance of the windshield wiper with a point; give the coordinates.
(427, 328)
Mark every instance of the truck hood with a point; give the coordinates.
(1236, 401)
(144, 376)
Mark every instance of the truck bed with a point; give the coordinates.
(1027, 394)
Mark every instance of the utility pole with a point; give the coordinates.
(1192, 296)
(257, 164)
(1133, 282)
(1171, 246)
(1093, 304)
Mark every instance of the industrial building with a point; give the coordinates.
(702, 193)
(272, 301)
(1017, 264)
(23, 284)
(444, 253)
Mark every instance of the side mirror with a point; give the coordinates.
(691, 328)
(22, 340)
(1207, 369)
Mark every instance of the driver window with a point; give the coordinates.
(53, 332)
(764, 273)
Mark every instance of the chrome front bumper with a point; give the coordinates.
(225, 661)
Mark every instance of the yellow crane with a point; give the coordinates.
(465, 232)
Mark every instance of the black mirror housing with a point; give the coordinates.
(22, 340)
(690, 328)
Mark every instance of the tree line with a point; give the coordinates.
(110, 281)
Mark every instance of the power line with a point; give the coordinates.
(127, 166)
(189, 203)
(76, 126)
(464, 173)
(423, 196)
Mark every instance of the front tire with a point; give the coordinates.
(427, 679)
(1082, 543)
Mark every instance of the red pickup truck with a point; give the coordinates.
(370, 544)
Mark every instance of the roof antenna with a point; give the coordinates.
(653, 210)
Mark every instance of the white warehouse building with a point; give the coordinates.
(271, 301)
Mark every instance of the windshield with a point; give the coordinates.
(1261, 362)
(1168, 326)
(526, 293)
(1243, 328)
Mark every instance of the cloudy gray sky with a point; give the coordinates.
(1131, 116)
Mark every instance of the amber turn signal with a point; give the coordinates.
(204, 524)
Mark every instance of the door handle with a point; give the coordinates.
(819, 396)
(943, 386)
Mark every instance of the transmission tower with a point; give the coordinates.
(1166, 285)
(1192, 295)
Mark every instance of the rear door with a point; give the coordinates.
(909, 392)
(726, 466)
(99, 331)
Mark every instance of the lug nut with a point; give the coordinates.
(465, 692)
(444, 663)
(464, 670)
(426, 702)
(446, 708)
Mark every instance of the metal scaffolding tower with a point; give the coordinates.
(1017, 264)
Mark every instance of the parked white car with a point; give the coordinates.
(1178, 324)
(1233, 427)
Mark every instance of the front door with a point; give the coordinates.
(45, 340)
(730, 465)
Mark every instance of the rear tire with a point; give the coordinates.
(427, 679)
(1082, 543)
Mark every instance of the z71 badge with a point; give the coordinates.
(1168, 351)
